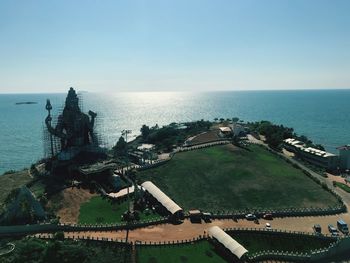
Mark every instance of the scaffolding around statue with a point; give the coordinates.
(72, 132)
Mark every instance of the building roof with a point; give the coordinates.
(123, 192)
(301, 146)
(162, 198)
(225, 129)
(194, 212)
(318, 152)
(145, 146)
(227, 241)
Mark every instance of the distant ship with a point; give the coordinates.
(26, 102)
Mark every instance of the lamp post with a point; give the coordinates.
(125, 133)
(49, 108)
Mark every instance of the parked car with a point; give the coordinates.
(333, 230)
(343, 227)
(250, 217)
(268, 226)
(268, 216)
(317, 228)
(206, 217)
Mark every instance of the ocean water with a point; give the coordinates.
(322, 115)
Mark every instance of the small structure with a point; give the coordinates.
(344, 157)
(225, 131)
(195, 215)
(227, 241)
(123, 192)
(146, 147)
(163, 199)
(238, 129)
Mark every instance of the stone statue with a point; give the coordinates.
(74, 128)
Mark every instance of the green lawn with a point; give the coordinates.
(33, 250)
(38, 188)
(102, 211)
(345, 187)
(230, 178)
(201, 251)
(255, 242)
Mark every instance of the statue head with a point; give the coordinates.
(72, 101)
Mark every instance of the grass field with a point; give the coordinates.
(98, 210)
(38, 188)
(345, 187)
(205, 252)
(255, 242)
(230, 178)
(201, 251)
(8, 182)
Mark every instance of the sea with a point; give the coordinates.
(321, 115)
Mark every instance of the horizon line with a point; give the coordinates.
(174, 91)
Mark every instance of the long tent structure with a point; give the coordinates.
(162, 198)
(227, 241)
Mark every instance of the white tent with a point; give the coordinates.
(162, 198)
(227, 241)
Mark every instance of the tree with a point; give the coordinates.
(145, 131)
(121, 147)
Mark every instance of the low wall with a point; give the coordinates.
(50, 228)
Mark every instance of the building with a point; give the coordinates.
(225, 131)
(163, 199)
(238, 129)
(344, 157)
(314, 156)
(293, 145)
(227, 241)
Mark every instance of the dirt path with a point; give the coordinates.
(69, 202)
(188, 230)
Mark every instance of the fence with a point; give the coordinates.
(49, 228)
(137, 243)
(157, 163)
(289, 255)
(278, 232)
(313, 255)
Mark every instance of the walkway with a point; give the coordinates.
(187, 230)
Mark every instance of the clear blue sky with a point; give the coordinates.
(48, 46)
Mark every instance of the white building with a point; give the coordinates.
(225, 131)
(162, 198)
(227, 241)
(312, 155)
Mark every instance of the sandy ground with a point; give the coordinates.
(69, 201)
(205, 137)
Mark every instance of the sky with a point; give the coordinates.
(178, 45)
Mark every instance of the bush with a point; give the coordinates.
(9, 172)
